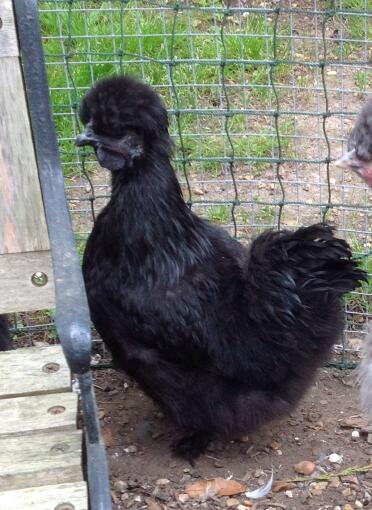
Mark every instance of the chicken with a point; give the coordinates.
(223, 337)
(359, 158)
(359, 155)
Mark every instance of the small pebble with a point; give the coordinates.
(334, 483)
(131, 449)
(241, 507)
(244, 439)
(350, 479)
(347, 507)
(232, 502)
(367, 497)
(120, 485)
(182, 498)
(346, 492)
(358, 504)
(162, 481)
(335, 458)
(355, 435)
(304, 468)
(275, 445)
(289, 494)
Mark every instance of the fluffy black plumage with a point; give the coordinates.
(5, 340)
(359, 155)
(222, 337)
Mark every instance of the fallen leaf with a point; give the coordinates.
(282, 485)
(205, 489)
(108, 437)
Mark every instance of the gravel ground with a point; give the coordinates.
(145, 475)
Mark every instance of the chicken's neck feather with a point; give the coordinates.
(151, 224)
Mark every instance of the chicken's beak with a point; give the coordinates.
(362, 168)
(85, 139)
(349, 160)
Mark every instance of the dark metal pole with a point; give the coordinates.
(72, 313)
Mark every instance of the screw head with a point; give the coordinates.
(51, 367)
(39, 279)
(65, 506)
(60, 448)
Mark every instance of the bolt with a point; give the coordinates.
(39, 279)
(51, 367)
(60, 448)
(56, 410)
(65, 506)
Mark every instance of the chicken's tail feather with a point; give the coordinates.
(289, 272)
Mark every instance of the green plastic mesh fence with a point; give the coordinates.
(261, 96)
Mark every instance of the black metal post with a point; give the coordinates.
(72, 313)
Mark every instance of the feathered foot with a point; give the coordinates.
(191, 447)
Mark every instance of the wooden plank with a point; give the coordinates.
(17, 292)
(33, 371)
(23, 226)
(26, 415)
(41, 459)
(8, 34)
(46, 498)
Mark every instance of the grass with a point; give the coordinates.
(220, 214)
(131, 41)
(94, 40)
(356, 26)
(363, 80)
(362, 301)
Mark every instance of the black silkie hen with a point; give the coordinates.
(224, 338)
(359, 155)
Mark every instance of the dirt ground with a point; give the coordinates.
(145, 475)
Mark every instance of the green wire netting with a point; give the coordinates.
(261, 96)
